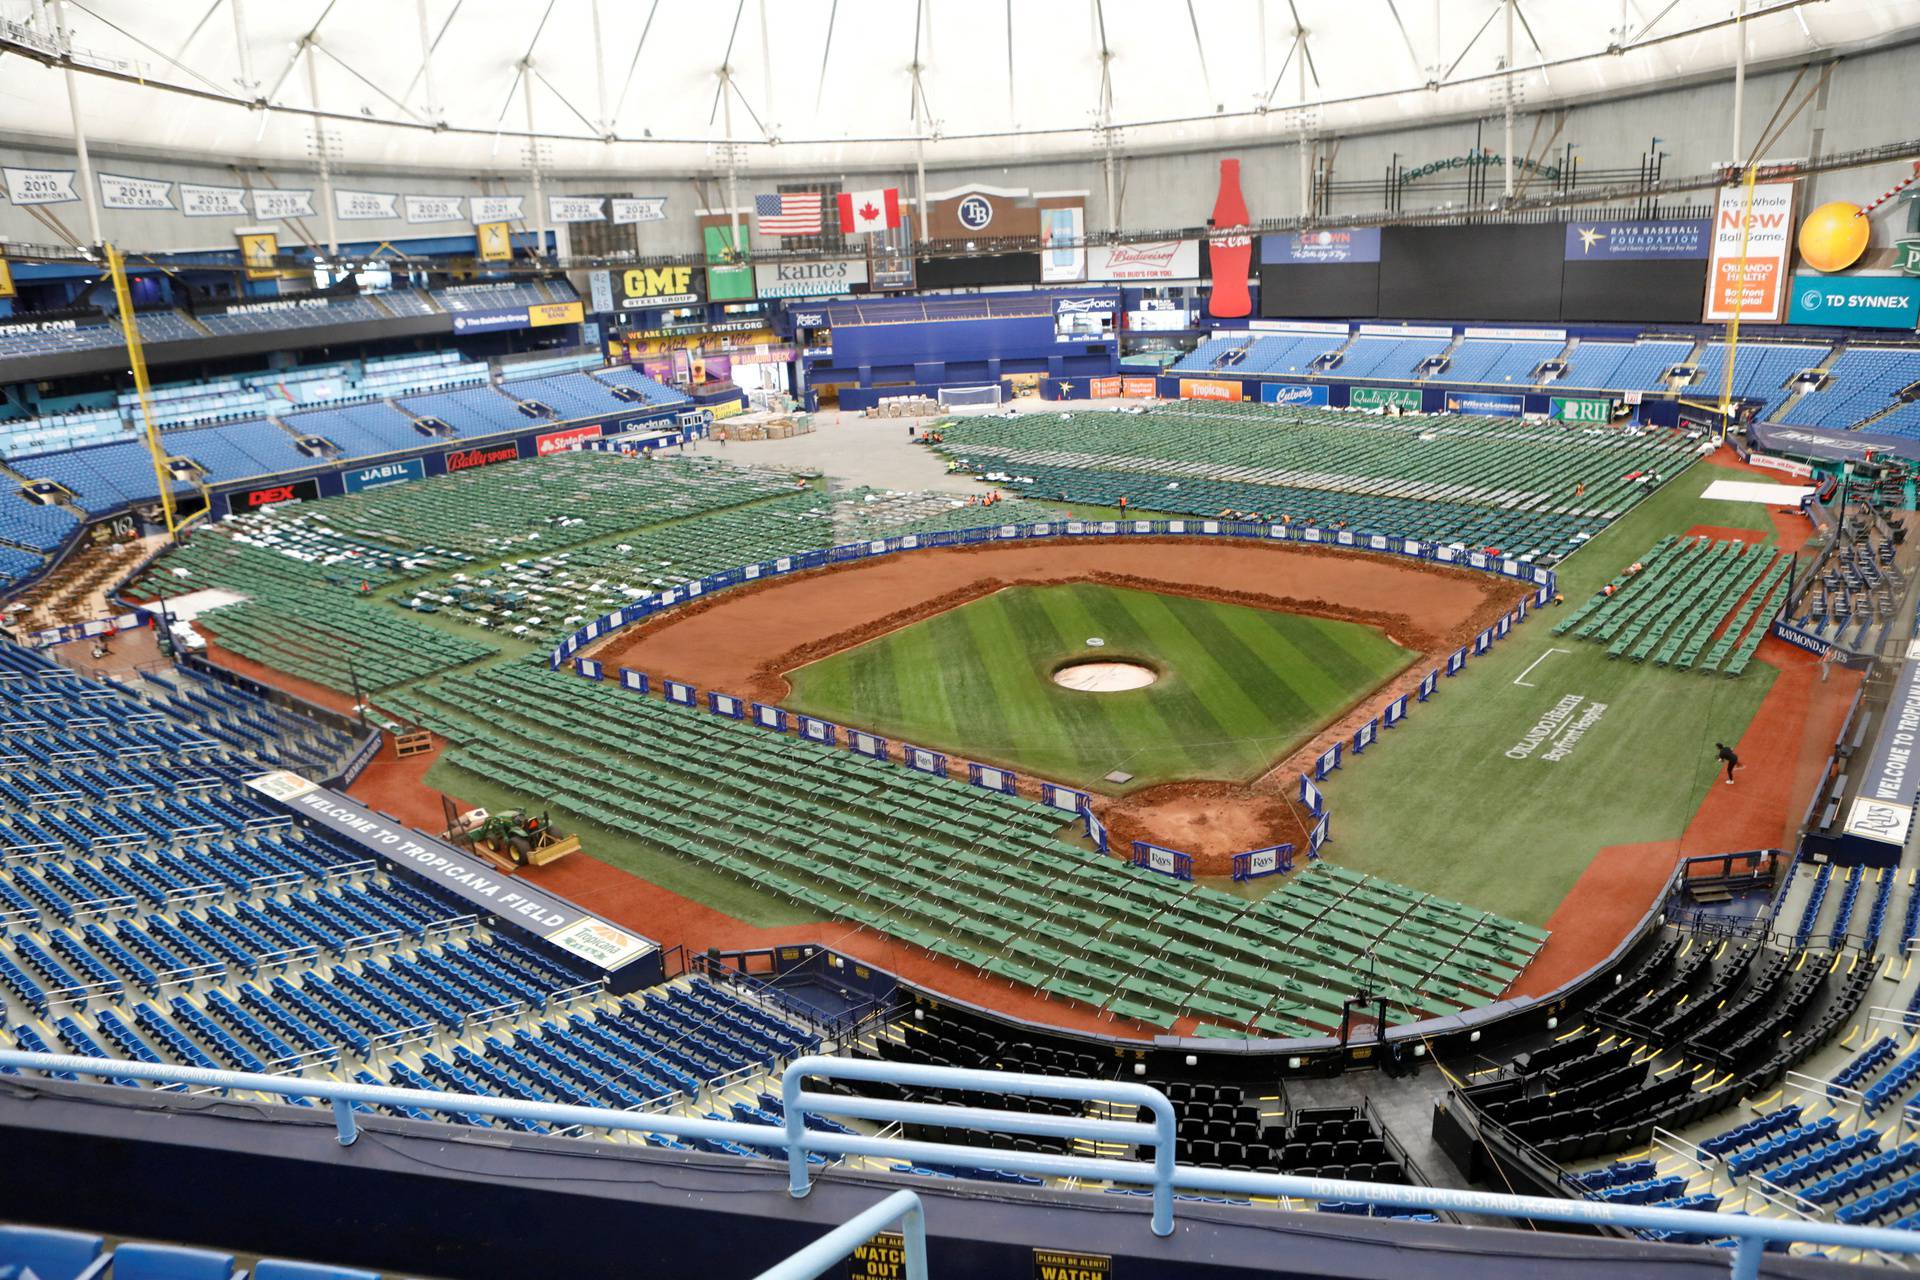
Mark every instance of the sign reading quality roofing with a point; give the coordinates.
(490, 891)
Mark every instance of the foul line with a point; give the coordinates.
(1521, 678)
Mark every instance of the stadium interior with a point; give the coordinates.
(902, 639)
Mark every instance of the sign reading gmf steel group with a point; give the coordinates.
(658, 287)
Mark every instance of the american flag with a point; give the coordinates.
(791, 213)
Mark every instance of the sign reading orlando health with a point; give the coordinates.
(1614, 241)
(379, 477)
(809, 279)
(1865, 302)
(272, 495)
(1347, 244)
(1755, 289)
(658, 287)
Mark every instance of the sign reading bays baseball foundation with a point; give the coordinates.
(1747, 273)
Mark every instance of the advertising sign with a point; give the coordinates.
(564, 441)
(809, 279)
(1404, 398)
(1103, 388)
(272, 495)
(1063, 258)
(1138, 388)
(1160, 260)
(1347, 244)
(1291, 393)
(468, 459)
(1860, 302)
(1615, 241)
(488, 321)
(1757, 291)
(542, 314)
(365, 478)
(658, 287)
(1208, 389)
(1581, 409)
(1487, 406)
(258, 249)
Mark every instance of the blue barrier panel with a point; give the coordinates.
(1096, 829)
(981, 775)
(1328, 761)
(867, 744)
(1482, 642)
(1502, 627)
(1066, 798)
(1310, 796)
(1162, 860)
(1396, 711)
(1542, 597)
(725, 704)
(1322, 832)
(634, 680)
(922, 760)
(975, 535)
(941, 538)
(1429, 684)
(1254, 863)
(1521, 610)
(822, 731)
(809, 559)
(1364, 736)
(767, 717)
(1457, 662)
(588, 667)
(684, 694)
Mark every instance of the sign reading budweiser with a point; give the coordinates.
(1159, 260)
(468, 459)
(564, 441)
(272, 495)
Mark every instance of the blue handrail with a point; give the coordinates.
(1162, 1175)
(901, 1206)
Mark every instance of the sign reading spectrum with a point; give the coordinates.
(1862, 302)
(1753, 289)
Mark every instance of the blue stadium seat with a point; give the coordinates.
(282, 1269)
(169, 1262)
(52, 1255)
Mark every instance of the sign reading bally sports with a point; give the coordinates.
(468, 459)
(564, 441)
(1160, 260)
(658, 287)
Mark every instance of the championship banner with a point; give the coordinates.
(435, 209)
(359, 206)
(1755, 290)
(6, 279)
(212, 202)
(576, 209)
(117, 192)
(496, 209)
(40, 186)
(493, 241)
(272, 204)
(631, 209)
(258, 249)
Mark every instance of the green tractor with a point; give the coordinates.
(514, 836)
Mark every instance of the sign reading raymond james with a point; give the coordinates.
(809, 279)
(467, 877)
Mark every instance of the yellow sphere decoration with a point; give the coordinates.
(1834, 236)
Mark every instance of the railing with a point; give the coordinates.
(902, 1207)
(1161, 1175)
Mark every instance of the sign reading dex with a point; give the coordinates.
(271, 495)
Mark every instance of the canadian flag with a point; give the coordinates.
(869, 210)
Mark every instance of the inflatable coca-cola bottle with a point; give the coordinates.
(1232, 254)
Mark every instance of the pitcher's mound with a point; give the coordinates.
(1105, 676)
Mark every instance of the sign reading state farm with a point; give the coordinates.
(809, 279)
(564, 441)
(657, 287)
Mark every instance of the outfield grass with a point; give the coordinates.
(1440, 805)
(1238, 688)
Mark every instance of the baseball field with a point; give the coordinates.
(1234, 688)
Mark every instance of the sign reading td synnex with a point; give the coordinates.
(1865, 302)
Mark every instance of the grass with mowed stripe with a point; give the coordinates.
(1238, 688)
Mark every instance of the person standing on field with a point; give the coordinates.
(1729, 759)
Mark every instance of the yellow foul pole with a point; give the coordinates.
(137, 360)
(1739, 300)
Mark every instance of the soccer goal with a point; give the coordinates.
(982, 399)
